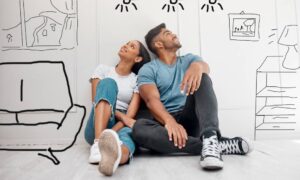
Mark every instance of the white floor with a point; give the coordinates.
(274, 160)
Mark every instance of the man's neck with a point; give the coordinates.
(168, 57)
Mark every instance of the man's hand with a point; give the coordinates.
(192, 78)
(176, 133)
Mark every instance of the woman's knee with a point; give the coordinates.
(107, 89)
(107, 83)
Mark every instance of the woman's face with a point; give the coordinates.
(130, 50)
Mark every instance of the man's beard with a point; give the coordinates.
(173, 46)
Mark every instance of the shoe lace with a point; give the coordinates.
(211, 147)
(229, 146)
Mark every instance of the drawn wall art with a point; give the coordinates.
(126, 5)
(52, 27)
(172, 5)
(211, 5)
(32, 90)
(244, 26)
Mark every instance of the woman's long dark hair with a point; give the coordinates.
(146, 58)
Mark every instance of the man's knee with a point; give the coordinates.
(206, 80)
(140, 131)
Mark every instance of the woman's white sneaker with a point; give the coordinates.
(110, 150)
(95, 155)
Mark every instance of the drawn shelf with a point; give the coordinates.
(274, 91)
(277, 110)
(275, 99)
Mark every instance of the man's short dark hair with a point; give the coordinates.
(151, 35)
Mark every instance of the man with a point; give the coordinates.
(180, 96)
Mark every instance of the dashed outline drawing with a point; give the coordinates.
(56, 126)
(56, 29)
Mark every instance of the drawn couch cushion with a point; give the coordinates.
(34, 87)
(37, 95)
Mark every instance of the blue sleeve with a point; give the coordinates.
(190, 58)
(146, 75)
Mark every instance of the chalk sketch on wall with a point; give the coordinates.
(20, 95)
(172, 4)
(244, 26)
(211, 5)
(125, 5)
(276, 91)
(53, 27)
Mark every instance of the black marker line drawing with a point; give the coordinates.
(125, 4)
(35, 100)
(56, 29)
(244, 26)
(275, 106)
(172, 5)
(289, 39)
(21, 90)
(9, 38)
(211, 6)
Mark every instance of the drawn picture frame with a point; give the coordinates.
(244, 26)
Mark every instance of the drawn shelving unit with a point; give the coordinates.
(275, 99)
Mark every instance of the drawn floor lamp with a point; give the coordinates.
(32, 90)
(287, 38)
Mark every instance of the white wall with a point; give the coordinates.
(102, 30)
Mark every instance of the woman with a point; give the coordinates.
(115, 100)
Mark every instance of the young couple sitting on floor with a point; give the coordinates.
(178, 92)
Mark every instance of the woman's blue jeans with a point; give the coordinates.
(107, 90)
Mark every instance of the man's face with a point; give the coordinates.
(169, 39)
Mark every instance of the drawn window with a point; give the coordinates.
(40, 24)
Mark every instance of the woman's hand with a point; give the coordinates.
(128, 121)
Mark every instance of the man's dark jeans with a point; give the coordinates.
(199, 115)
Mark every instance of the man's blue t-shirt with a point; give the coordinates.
(167, 79)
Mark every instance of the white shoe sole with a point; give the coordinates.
(247, 145)
(94, 160)
(110, 150)
(211, 163)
